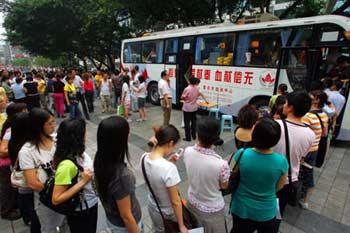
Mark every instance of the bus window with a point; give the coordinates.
(215, 49)
(171, 50)
(260, 48)
(302, 37)
(331, 33)
(132, 53)
(152, 51)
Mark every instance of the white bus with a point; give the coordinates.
(240, 64)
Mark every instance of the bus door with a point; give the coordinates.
(184, 64)
(298, 67)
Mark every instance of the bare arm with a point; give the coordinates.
(66, 96)
(281, 182)
(32, 180)
(177, 206)
(124, 207)
(4, 148)
(62, 193)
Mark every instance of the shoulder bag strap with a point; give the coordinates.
(319, 118)
(149, 186)
(239, 159)
(287, 151)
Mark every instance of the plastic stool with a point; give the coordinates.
(214, 112)
(226, 123)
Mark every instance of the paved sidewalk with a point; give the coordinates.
(329, 205)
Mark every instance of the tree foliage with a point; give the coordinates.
(24, 62)
(52, 28)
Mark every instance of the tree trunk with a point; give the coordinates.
(111, 62)
(329, 6)
(292, 7)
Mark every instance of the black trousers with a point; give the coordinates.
(283, 197)
(190, 119)
(81, 99)
(89, 96)
(117, 94)
(249, 226)
(8, 194)
(85, 222)
(26, 205)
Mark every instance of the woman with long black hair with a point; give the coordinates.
(115, 181)
(35, 157)
(19, 136)
(8, 195)
(70, 160)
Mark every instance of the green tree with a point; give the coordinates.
(25, 62)
(53, 28)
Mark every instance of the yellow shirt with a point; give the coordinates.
(70, 88)
(41, 86)
(98, 79)
(3, 118)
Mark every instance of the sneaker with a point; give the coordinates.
(129, 120)
(304, 205)
(139, 120)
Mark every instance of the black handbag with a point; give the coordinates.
(294, 188)
(170, 226)
(70, 206)
(234, 176)
(322, 146)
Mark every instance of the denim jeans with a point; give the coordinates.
(74, 110)
(115, 229)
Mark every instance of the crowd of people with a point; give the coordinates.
(75, 92)
(275, 154)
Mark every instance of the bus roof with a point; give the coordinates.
(342, 21)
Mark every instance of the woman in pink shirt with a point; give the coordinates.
(190, 96)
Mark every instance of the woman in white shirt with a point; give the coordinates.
(164, 179)
(207, 174)
(141, 93)
(126, 97)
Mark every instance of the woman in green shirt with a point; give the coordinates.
(262, 173)
(74, 174)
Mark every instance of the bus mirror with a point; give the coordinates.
(347, 35)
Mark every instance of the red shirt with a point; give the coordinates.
(88, 85)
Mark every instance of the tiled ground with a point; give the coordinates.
(329, 205)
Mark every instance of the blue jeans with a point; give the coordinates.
(115, 229)
(74, 110)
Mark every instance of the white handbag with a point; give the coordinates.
(19, 181)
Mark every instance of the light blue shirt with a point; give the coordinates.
(18, 91)
(337, 99)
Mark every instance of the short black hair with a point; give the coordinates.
(266, 133)
(208, 130)
(338, 84)
(247, 116)
(342, 59)
(164, 73)
(301, 102)
(193, 81)
(283, 88)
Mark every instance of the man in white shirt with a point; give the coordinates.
(335, 97)
(165, 96)
(300, 138)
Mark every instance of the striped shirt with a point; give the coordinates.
(314, 123)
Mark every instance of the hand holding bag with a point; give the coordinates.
(234, 176)
(170, 226)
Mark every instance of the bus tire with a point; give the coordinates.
(153, 94)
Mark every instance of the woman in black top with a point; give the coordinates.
(31, 90)
(247, 117)
(115, 182)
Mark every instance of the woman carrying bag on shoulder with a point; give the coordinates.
(262, 173)
(72, 163)
(162, 178)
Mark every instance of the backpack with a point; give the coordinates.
(69, 207)
(322, 146)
